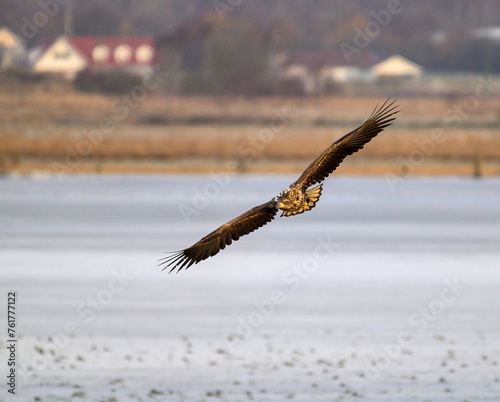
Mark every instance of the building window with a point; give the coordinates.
(123, 54)
(62, 55)
(100, 53)
(144, 54)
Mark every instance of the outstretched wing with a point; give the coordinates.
(333, 156)
(222, 237)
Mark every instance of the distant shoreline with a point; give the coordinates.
(64, 133)
(360, 167)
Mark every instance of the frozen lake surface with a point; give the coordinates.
(383, 292)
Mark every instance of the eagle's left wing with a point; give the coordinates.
(222, 237)
(352, 142)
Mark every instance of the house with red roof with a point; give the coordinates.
(68, 55)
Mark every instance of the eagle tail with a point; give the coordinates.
(312, 197)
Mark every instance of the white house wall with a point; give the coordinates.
(12, 49)
(61, 57)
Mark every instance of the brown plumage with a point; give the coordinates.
(294, 200)
(212, 243)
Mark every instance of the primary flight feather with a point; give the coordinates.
(294, 200)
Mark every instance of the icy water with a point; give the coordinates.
(381, 292)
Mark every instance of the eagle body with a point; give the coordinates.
(299, 197)
(296, 199)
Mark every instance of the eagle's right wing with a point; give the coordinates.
(222, 237)
(333, 156)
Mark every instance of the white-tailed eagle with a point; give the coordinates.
(296, 199)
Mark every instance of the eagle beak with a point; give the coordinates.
(281, 205)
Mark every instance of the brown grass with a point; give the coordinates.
(157, 134)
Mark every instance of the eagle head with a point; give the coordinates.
(285, 204)
(290, 199)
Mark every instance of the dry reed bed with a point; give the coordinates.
(68, 107)
(241, 142)
(55, 125)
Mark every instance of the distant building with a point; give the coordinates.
(319, 69)
(12, 49)
(491, 33)
(301, 75)
(68, 55)
(397, 68)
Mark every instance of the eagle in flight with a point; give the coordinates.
(296, 199)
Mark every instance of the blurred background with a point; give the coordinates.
(188, 86)
(133, 128)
